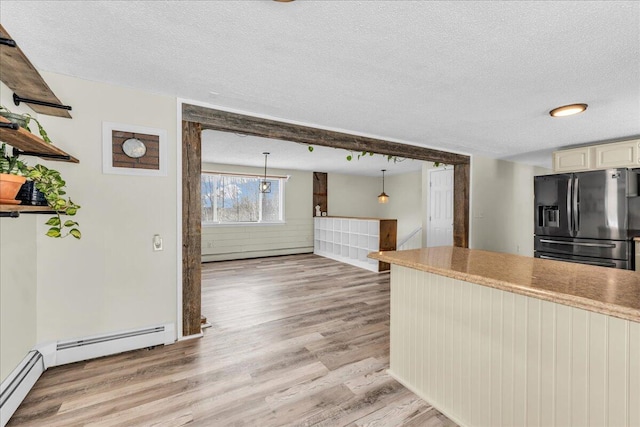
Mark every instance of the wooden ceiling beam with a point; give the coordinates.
(248, 125)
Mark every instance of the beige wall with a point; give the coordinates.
(110, 280)
(405, 204)
(18, 276)
(18, 282)
(353, 195)
(238, 242)
(502, 205)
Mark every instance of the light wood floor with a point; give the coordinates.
(295, 340)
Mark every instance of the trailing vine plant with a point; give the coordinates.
(51, 184)
(27, 118)
(351, 156)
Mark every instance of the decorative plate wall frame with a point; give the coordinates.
(133, 150)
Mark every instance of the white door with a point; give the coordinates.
(440, 224)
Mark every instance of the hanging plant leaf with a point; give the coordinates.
(349, 157)
(54, 221)
(310, 149)
(53, 232)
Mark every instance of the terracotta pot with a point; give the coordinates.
(9, 187)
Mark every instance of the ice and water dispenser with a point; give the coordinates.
(548, 216)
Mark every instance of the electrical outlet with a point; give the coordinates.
(157, 242)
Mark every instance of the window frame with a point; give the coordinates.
(281, 211)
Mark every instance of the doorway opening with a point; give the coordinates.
(195, 119)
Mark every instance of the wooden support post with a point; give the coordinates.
(461, 185)
(191, 228)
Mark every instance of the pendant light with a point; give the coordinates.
(265, 186)
(383, 197)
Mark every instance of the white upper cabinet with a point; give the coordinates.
(573, 160)
(624, 154)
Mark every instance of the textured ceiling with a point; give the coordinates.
(470, 77)
(236, 149)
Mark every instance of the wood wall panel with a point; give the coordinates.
(320, 192)
(491, 358)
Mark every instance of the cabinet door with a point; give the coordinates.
(622, 154)
(573, 160)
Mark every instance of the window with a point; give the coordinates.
(231, 199)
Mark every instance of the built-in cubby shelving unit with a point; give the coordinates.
(350, 240)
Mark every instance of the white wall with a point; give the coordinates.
(18, 282)
(502, 205)
(293, 237)
(110, 280)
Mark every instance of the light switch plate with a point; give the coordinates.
(157, 242)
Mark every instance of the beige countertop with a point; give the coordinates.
(359, 217)
(637, 239)
(599, 289)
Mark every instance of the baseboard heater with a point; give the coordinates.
(15, 387)
(104, 345)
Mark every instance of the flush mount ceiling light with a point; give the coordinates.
(383, 197)
(568, 110)
(265, 186)
(283, 1)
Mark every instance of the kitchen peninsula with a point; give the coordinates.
(499, 339)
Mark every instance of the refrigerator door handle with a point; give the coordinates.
(576, 207)
(570, 206)
(601, 264)
(589, 245)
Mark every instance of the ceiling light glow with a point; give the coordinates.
(568, 110)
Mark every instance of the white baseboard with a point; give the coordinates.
(15, 387)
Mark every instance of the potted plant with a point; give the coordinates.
(12, 175)
(50, 183)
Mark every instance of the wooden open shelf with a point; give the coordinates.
(14, 211)
(26, 209)
(24, 140)
(25, 81)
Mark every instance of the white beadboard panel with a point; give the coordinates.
(486, 357)
(597, 404)
(237, 242)
(634, 374)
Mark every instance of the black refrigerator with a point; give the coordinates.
(587, 217)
